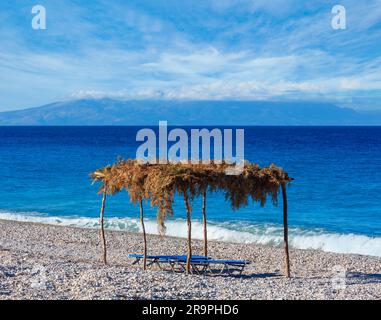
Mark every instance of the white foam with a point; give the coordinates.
(238, 232)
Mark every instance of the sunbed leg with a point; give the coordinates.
(181, 266)
(202, 271)
(228, 271)
(242, 268)
(196, 269)
(223, 269)
(209, 268)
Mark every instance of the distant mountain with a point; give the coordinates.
(149, 112)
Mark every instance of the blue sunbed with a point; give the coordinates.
(171, 260)
(229, 266)
(199, 264)
(138, 257)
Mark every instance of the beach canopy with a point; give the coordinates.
(159, 183)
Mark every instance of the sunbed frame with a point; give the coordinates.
(199, 264)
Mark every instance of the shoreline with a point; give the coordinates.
(152, 235)
(270, 235)
(68, 260)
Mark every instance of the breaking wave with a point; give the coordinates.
(232, 231)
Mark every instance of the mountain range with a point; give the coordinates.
(149, 112)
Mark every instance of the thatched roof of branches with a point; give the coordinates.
(160, 182)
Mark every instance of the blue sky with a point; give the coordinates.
(218, 49)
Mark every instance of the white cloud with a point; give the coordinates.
(299, 57)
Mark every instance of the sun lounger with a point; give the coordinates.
(173, 261)
(226, 266)
(199, 264)
(138, 257)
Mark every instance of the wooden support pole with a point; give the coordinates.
(189, 224)
(204, 223)
(102, 232)
(285, 231)
(144, 235)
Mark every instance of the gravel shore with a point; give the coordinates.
(50, 262)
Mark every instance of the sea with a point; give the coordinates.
(334, 200)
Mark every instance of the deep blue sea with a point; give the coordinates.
(334, 202)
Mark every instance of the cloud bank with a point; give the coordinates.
(258, 50)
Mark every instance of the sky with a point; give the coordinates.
(274, 50)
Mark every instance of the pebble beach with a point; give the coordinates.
(40, 261)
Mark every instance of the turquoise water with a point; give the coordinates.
(334, 202)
